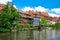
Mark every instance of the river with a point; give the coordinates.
(31, 35)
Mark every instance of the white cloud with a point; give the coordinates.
(15, 6)
(41, 9)
(55, 12)
(53, 15)
(27, 9)
(5, 1)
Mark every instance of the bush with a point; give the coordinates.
(35, 27)
(55, 26)
(28, 26)
(4, 30)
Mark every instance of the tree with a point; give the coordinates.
(8, 16)
(43, 22)
(55, 26)
(27, 24)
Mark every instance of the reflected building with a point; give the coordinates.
(54, 34)
(51, 34)
(48, 34)
(36, 35)
(21, 35)
(43, 35)
(30, 35)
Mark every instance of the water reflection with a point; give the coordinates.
(36, 35)
(32, 35)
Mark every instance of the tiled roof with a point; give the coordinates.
(1, 6)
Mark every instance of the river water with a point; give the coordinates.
(32, 35)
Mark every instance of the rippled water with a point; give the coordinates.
(32, 35)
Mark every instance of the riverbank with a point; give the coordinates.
(24, 29)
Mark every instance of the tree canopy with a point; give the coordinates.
(8, 16)
(43, 22)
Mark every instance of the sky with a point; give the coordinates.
(52, 7)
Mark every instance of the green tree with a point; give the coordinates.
(43, 22)
(55, 26)
(27, 24)
(8, 16)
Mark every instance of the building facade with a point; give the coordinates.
(33, 17)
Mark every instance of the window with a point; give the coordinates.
(35, 15)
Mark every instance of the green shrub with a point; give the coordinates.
(55, 26)
(4, 30)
